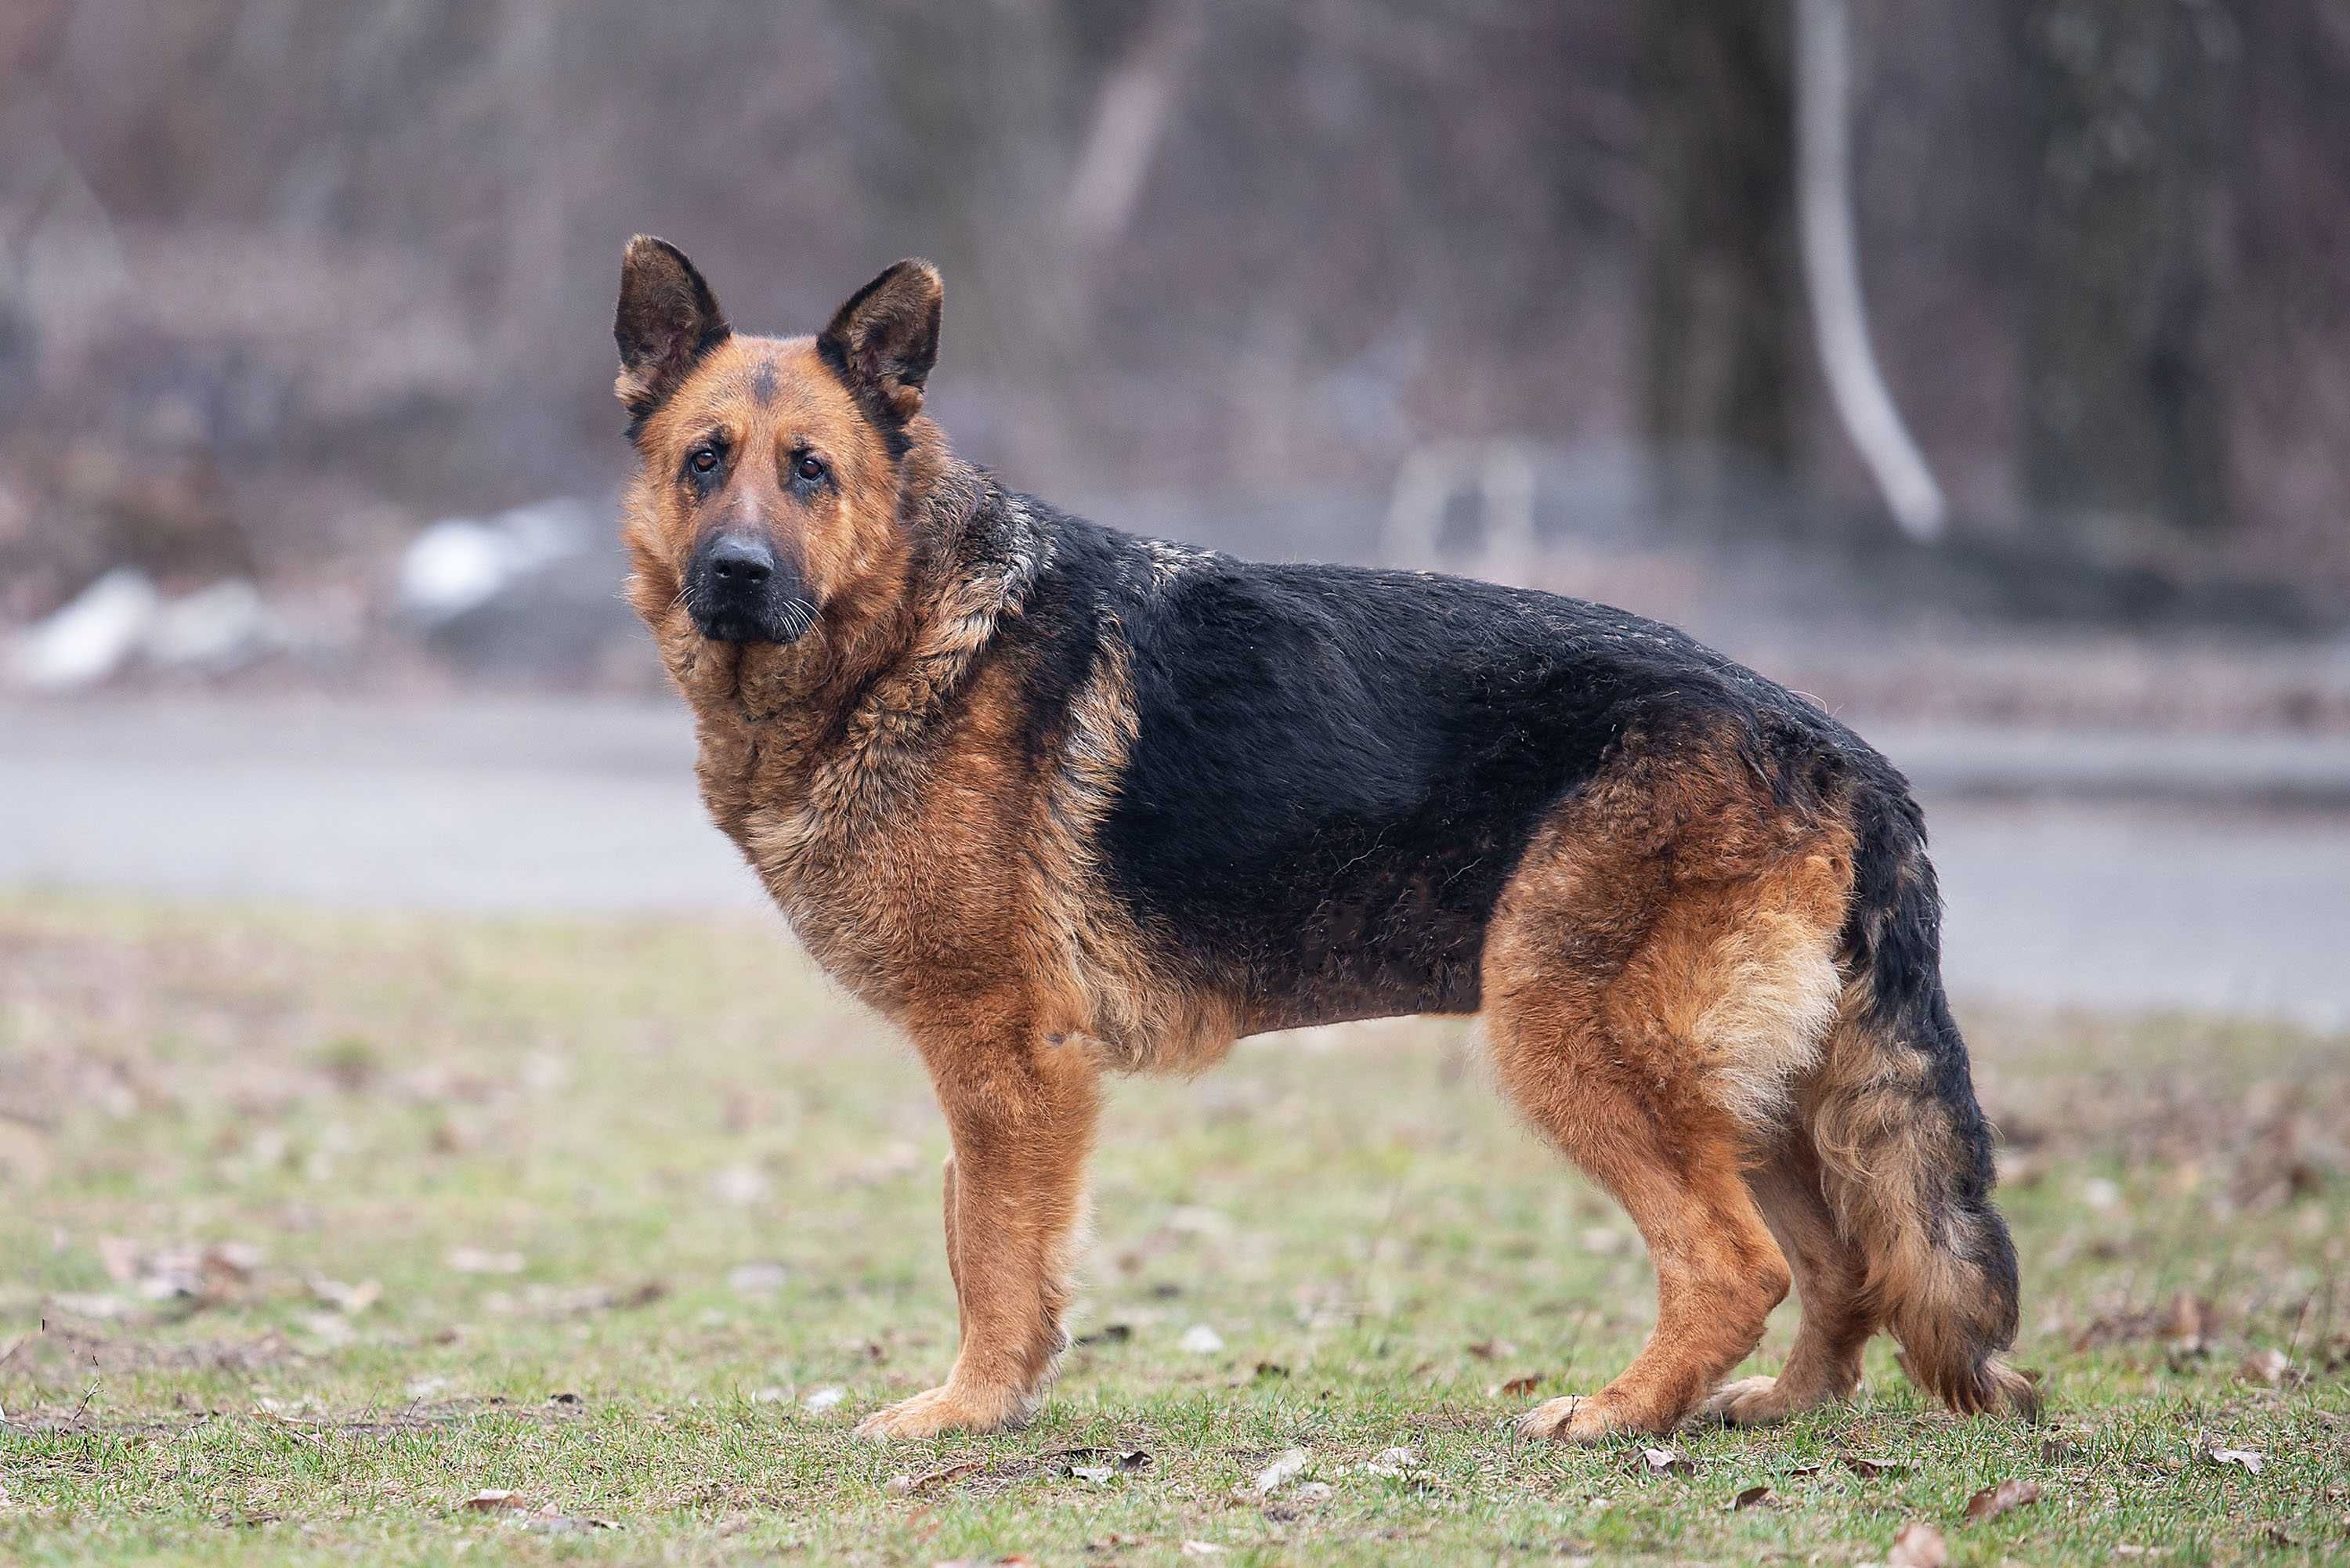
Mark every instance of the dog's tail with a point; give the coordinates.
(1904, 1148)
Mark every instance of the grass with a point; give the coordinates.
(313, 1227)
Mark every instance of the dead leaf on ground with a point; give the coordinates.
(1755, 1497)
(490, 1499)
(1518, 1386)
(2001, 1497)
(914, 1486)
(1666, 1462)
(2243, 1458)
(483, 1260)
(2272, 1367)
(348, 1300)
(1918, 1545)
(1287, 1468)
(552, 1522)
(1868, 1467)
(1102, 1463)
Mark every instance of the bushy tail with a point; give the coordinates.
(1905, 1153)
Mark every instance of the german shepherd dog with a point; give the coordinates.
(1060, 802)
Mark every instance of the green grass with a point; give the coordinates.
(627, 1115)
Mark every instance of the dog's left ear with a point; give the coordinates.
(885, 338)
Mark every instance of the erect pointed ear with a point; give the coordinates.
(667, 320)
(885, 339)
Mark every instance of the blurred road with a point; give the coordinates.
(2100, 870)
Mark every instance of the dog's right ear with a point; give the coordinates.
(667, 319)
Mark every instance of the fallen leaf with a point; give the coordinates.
(1754, 1497)
(2245, 1458)
(1271, 1369)
(348, 1300)
(554, 1524)
(759, 1279)
(739, 1186)
(1868, 1467)
(480, 1261)
(1492, 1349)
(1993, 1500)
(490, 1499)
(2272, 1367)
(1918, 1545)
(1518, 1386)
(1095, 1473)
(1666, 1462)
(1288, 1466)
(1077, 1461)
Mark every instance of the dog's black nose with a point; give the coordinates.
(742, 560)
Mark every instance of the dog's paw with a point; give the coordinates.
(1577, 1418)
(1748, 1402)
(947, 1409)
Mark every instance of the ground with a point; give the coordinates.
(318, 1228)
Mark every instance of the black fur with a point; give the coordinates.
(1337, 769)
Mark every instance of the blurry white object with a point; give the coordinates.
(459, 563)
(90, 639)
(1831, 263)
(214, 628)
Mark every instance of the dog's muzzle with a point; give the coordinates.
(739, 590)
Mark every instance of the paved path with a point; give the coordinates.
(2103, 871)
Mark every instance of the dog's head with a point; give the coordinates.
(767, 486)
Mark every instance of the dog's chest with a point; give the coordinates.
(890, 877)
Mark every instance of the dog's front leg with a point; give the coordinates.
(1021, 1107)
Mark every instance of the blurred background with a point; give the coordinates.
(1983, 369)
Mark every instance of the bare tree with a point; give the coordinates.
(1721, 330)
(2133, 113)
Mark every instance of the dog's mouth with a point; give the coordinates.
(780, 621)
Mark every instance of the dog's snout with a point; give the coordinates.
(740, 589)
(742, 560)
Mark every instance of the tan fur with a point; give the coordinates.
(1658, 976)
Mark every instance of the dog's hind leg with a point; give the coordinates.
(1020, 1106)
(1659, 978)
(1671, 1158)
(1831, 1279)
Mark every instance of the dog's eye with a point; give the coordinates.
(809, 467)
(703, 460)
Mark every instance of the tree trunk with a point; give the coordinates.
(2132, 130)
(1721, 313)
